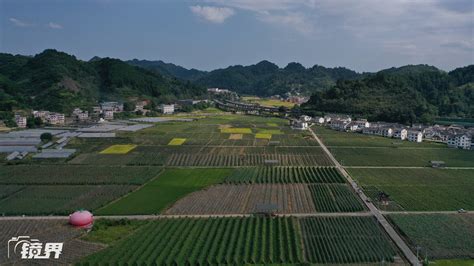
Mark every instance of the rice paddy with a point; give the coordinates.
(236, 130)
(263, 136)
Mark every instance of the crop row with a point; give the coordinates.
(207, 241)
(334, 198)
(285, 175)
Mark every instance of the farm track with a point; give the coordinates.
(396, 238)
(409, 167)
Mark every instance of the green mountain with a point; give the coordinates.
(169, 69)
(266, 78)
(57, 81)
(414, 93)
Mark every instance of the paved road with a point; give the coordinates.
(378, 215)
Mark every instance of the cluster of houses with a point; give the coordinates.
(454, 136)
(288, 97)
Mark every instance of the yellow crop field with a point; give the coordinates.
(176, 142)
(270, 131)
(235, 136)
(236, 130)
(272, 124)
(263, 136)
(119, 149)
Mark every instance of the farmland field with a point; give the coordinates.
(420, 189)
(402, 156)
(60, 199)
(177, 141)
(162, 191)
(285, 175)
(213, 241)
(50, 231)
(119, 149)
(253, 240)
(345, 240)
(288, 198)
(439, 235)
(76, 174)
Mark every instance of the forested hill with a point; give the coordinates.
(262, 79)
(169, 69)
(414, 93)
(266, 78)
(57, 81)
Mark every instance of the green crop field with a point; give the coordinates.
(334, 198)
(420, 189)
(285, 175)
(402, 156)
(438, 235)
(76, 174)
(207, 241)
(60, 199)
(345, 240)
(168, 187)
(253, 240)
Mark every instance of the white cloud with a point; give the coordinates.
(55, 26)
(212, 14)
(20, 23)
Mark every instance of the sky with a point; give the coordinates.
(363, 35)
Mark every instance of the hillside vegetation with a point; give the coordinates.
(57, 81)
(407, 94)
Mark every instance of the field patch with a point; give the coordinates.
(272, 124)
(328, 240)
(235, 136)
(237, 130)
(270, 131)
(263, 136)
(441, 235)
(161, 192)
(119, 149)
(176, 141)
(222, 241)
(284, 175)
(423, 189)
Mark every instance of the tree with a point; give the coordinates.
(45, 137)
(128, 106)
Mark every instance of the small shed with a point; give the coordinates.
(437, 164)
(266, 209)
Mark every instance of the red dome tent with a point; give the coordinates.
(81, 218)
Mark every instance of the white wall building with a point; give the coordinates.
(461, 141)
(167, 108)
(415, 136)
(20, 121)
(400, 133)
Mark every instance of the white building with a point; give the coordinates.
(461, 141)
(415, 136)
(300, 125)
(20, 121)
(108, 115)
(55, 119)
(400, 133)
(167, 108)
(340, 125)
(80, 115)
(111, 106)
(305, 118)
(319, 120)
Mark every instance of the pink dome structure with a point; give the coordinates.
(81, 218)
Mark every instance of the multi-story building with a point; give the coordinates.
(461, 141)
(400, 133)
(108, 115)
(55, 119)
(20, 121)
(167, 108)
(415, 136)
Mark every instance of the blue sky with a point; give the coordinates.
(364, 35)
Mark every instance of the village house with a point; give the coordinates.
(80, 115)
(140, 106)
(461, 141)
(340, 125)
(167, 108)
(20, 121)
(108, 115)
(111, 106)
(300, 125)
(305, 118)
(329, 118)
(400, 133)
(319, 120)
(55, 119)
(414, 136)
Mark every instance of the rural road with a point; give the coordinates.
(378, 215)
